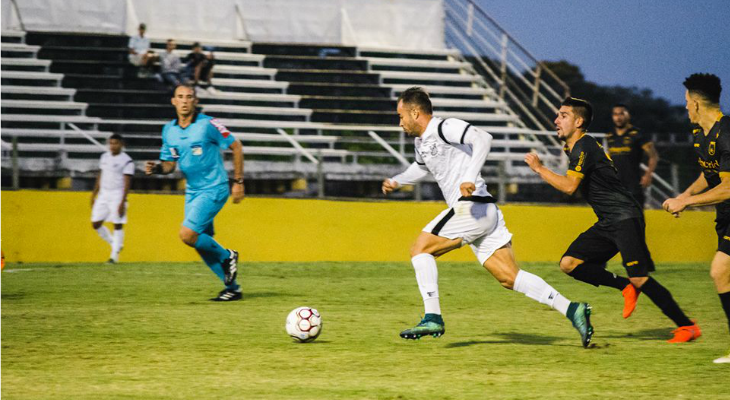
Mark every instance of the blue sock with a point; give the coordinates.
(207, 245)
(215, 266)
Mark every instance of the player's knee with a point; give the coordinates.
(720, 273)
(507, 281)
(417, 249)
(568, 264)
(189, 237)
(638, 281)
(118, 227)
(97, 224)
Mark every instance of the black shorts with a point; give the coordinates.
(722, 226)
(599, 244)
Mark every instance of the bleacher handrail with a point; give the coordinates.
(474, 29)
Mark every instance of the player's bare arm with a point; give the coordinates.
(718, 194)
(159, 168)
(237, 190)
(567, 184)
(95, 192)
(127, 185)
(698, 186)
(653, 161)
(389, 185)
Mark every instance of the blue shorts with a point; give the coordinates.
(201, 207)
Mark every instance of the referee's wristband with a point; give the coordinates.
(157, 169)
(239, 181)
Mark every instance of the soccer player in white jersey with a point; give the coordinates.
(109, 198)
(454, 152)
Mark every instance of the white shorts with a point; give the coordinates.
(135, 59)
(480, 225)
(106, 208)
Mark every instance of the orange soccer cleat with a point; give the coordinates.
(631, 296)
(686, 334)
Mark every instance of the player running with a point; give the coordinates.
(454, 152)
(620, 226)
(712, 145)
(195, 142)
(109, 197)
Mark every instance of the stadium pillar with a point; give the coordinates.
(16, 168)
(320, 175)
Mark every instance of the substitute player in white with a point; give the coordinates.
(454, 152)
(109, 198)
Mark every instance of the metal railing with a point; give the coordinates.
(529, 86)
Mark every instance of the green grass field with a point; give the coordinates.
(147, 331)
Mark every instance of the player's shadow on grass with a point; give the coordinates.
(644, 334)
(511, 338)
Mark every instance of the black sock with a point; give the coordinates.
(596, 275)
(663, 299)
(725, 300)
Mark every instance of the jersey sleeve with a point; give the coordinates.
(642, 138)
(219, 134)
(579, 160)
(723, 147)
(128, 167)
(453, 131)
(165, 152)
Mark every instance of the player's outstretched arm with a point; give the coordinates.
(567, 184)
(673, 204)
(159, 168)
(414, 174)
(237, 190)
(718, 194)
(96, 189)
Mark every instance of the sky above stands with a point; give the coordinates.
(652, 44)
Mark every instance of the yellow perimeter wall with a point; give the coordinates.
(40, 226)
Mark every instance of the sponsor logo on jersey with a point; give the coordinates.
(174, 153)
(708, 164)
(711, 149)
(197, 150)
(221, 128)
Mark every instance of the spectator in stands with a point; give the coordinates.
(140, 54)
(200, 67)
(170, 65)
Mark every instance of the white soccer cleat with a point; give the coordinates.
(723, 360)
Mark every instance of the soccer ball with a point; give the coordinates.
(304, 324)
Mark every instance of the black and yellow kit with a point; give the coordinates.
(713, 152)
(620, 226)
(627, 151)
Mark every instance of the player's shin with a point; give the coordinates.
(597, 275)
(537, 289)
(427, 278)
(104, 234)
(664, 300)
(117, 241)
(206, 244)
(725, 300)
(215, 266)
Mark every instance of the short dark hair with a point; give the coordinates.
(116, 136)
(417, 96)
(170, 40)
(196, 44)
(142, 26)
(708, 86)
(186, 85)
(622, 105)
(581, 108)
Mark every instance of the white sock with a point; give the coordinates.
(118, 242)
(427, 276)
(104, 234)
(536, 288)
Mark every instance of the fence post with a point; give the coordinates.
(503, 66)
(674, 170)
(501, 186)
(320, 175)
(16, 167)
(417, 189)
(536, 88)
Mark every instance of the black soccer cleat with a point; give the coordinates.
(228, 295)
(230, 267)
(431, 324)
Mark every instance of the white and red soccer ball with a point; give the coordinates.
(304, 324)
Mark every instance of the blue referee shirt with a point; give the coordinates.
(197, 150)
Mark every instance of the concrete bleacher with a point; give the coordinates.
(326, 98)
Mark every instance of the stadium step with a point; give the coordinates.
(249, 85)
(249, 99)
(434, 54)
(52, 133)
(228, 46)
(328, 76)
(348, 103)
(234, 111)
(25, 64)
(411, 65)
(230, 58)
(424, 78)
(19, 50)
(78, 40)
(92, 81)
(473, 93)
(313, 62)
(72, 53)
(313, 50)
(10, 92)
(338, 89)
(241, 72)
(371, 117)
(29, 121)
(94, 67)
(23, 78)
(124, 96)
(43, 107)
(9, 36)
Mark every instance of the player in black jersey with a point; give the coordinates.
(712, 145)
(627, 145)
(620, 226)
